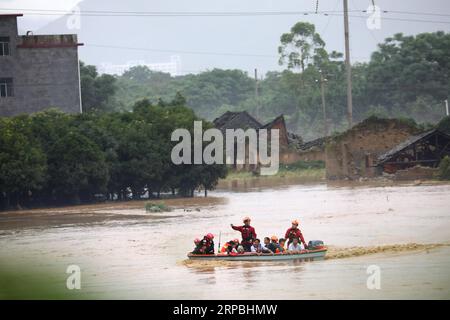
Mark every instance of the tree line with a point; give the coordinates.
(53, 158)
(406, 77)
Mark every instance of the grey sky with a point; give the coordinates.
(221, 35)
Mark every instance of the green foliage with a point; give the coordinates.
(444, 168)
(97, 91)
(301, 47)
(407, 77)
(444, 125)
(55, 158)
(303, 165)
(23, 164)
(157, 207)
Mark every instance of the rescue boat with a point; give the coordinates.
(303, 255)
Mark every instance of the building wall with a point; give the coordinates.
(352, 154)
(292, 156)
(45, 72)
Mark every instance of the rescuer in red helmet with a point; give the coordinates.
(206, 245)
(294, 232)
(247, 232)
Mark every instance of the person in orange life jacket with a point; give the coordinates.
(248, 234)
(232, 247)
(294, 232)
(274, 246)
(258, 248)
(206, 245)
(227, 244)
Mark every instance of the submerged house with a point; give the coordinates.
(425, 150)
(354, 153)
(243, 120)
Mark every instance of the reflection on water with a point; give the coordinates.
(134, 255)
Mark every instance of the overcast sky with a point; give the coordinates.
(225, 42)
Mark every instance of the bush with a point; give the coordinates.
(303, 165)
(157, 207)
(444, 125)
(444, 169)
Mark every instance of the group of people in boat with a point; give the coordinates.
(290, 244)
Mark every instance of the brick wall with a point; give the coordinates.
(353, 153)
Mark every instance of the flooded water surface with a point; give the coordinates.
(402, 230)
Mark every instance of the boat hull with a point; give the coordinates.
(306, 255)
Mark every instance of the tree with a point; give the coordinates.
(97, 91)
(22, 162)
(77, 168)
(407, 69)
(300, 46)
(444, 168)
(444, 125)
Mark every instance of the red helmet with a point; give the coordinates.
(210, 236)
(236, 240)
(196, 240)
(246, 219)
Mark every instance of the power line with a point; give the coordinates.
(398, 19)
(183, 51)
(202, 13)
(105, 46)
(164, 13)
(329, 18)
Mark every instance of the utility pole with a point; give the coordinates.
(256, 94)
(324, 109)
(446, 107)
(348, 67)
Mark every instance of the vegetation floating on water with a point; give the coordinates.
(157, 207)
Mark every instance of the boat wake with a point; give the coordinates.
(349, 252)
(206, 264)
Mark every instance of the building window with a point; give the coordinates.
(4, 46)
(6, 87)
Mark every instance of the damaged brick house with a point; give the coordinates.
(37, 71)
(355, 152)
(243, 120)
(417, 157)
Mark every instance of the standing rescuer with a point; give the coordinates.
(294, 232)
(248, 234)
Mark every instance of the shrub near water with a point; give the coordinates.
(444, 169)
(157, 207)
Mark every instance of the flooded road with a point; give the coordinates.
(143, 255)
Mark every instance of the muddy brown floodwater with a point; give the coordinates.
(404, 230)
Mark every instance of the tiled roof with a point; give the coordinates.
(407, 143)
(236, 120)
